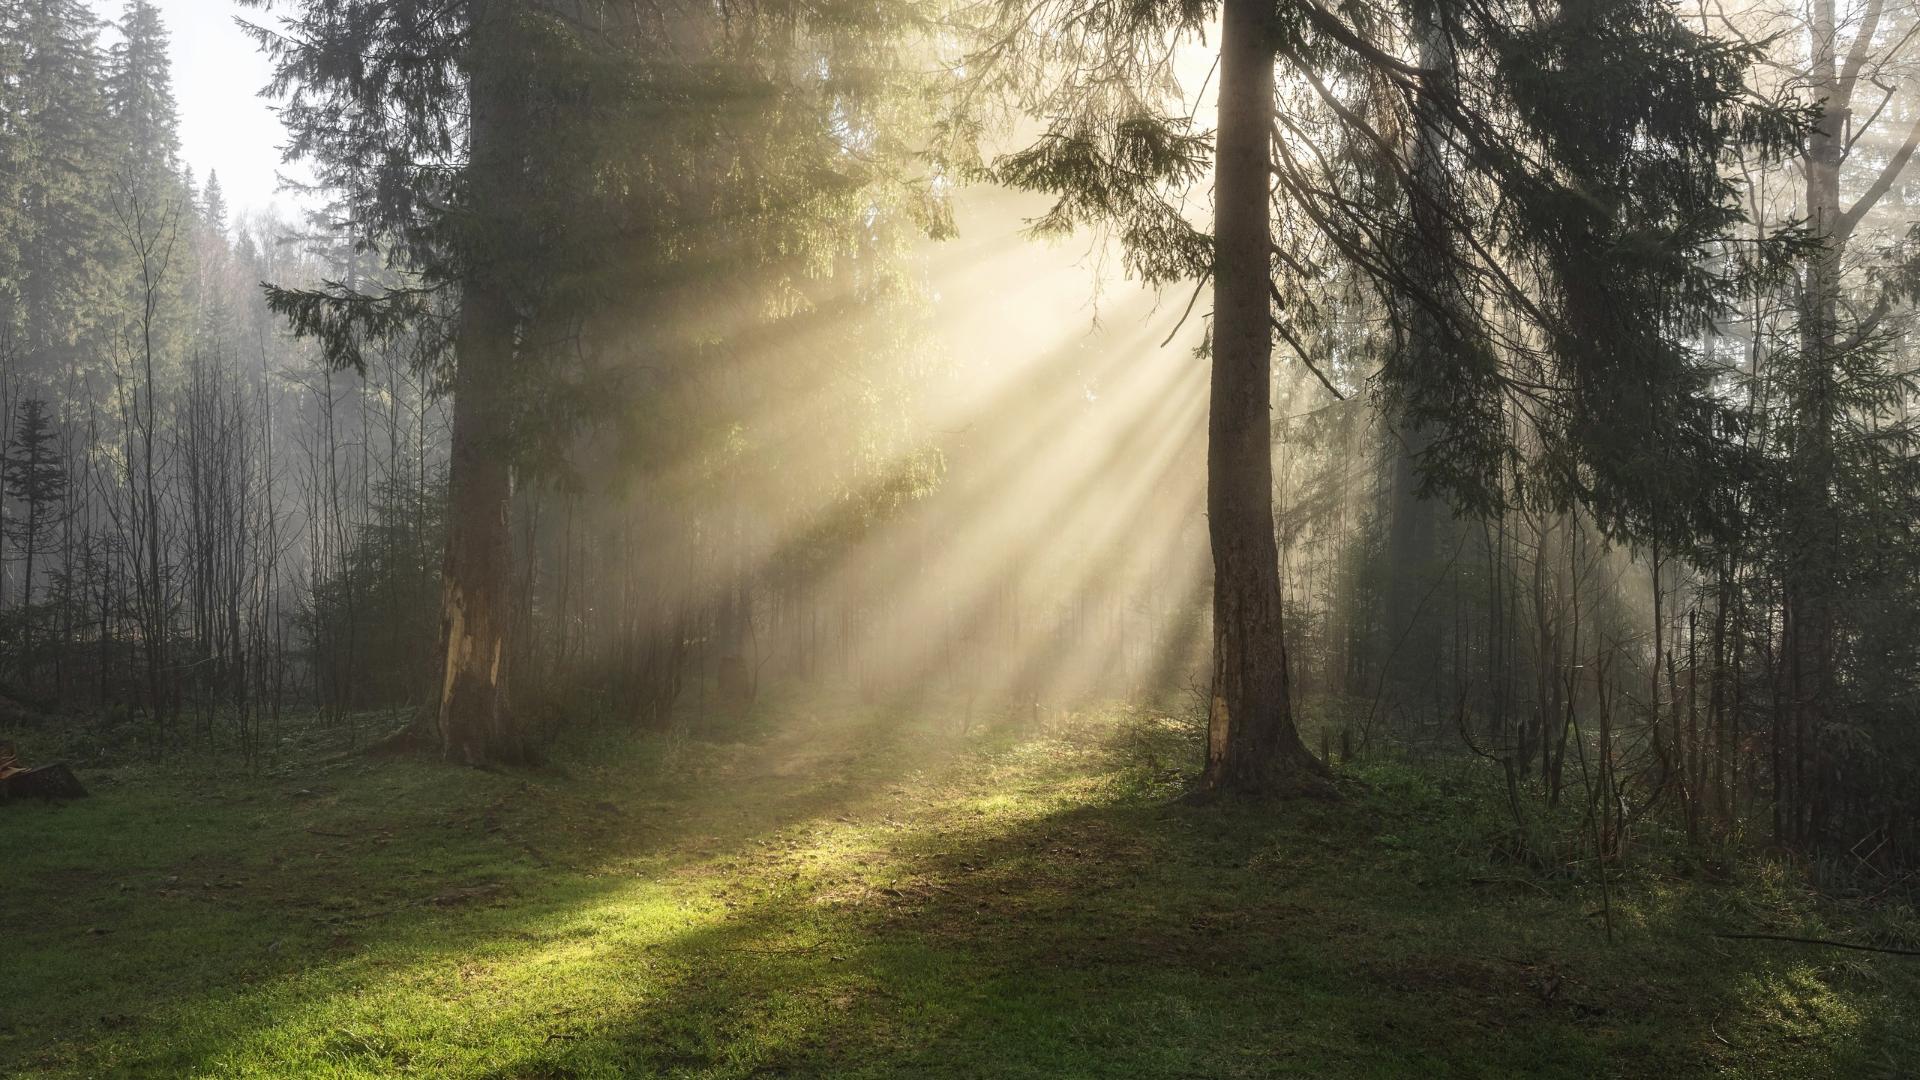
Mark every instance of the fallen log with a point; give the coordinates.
(55, 781)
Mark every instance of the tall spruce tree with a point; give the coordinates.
(59, 121)
(15, 160)
(533, 169)
(147, 185)
(140, 99)
(1580, 146)
(406, 109)
(36, 478)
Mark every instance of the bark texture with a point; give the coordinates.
(1252, 744)
(475, 722)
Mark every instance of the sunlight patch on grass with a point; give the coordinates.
(834, 893)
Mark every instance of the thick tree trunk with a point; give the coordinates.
(1252, 744)
(476, 724)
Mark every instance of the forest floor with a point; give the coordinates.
(839, 892)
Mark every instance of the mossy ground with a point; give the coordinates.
(852, 892)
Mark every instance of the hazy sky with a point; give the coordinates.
(217, 75)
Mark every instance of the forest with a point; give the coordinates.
(961, 538)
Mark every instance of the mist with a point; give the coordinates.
(904, 538)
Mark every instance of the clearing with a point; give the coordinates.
(844, 892)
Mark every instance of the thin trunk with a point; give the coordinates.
(1809, 627)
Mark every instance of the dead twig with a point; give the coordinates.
(1820, 941)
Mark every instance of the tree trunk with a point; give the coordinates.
(476, 724)
(1409, 648)
(1808, 635)
(1252, 744)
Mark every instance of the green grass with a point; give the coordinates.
(850, 893)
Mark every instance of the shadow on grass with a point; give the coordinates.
(1128, 938)
(848, 898)
(167, 895)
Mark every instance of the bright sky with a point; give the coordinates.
(225, 125)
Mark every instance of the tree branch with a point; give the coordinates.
(1857, 56)
(1329, 24)
(1880, 186)
(1299, 349)
(1821, 941)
